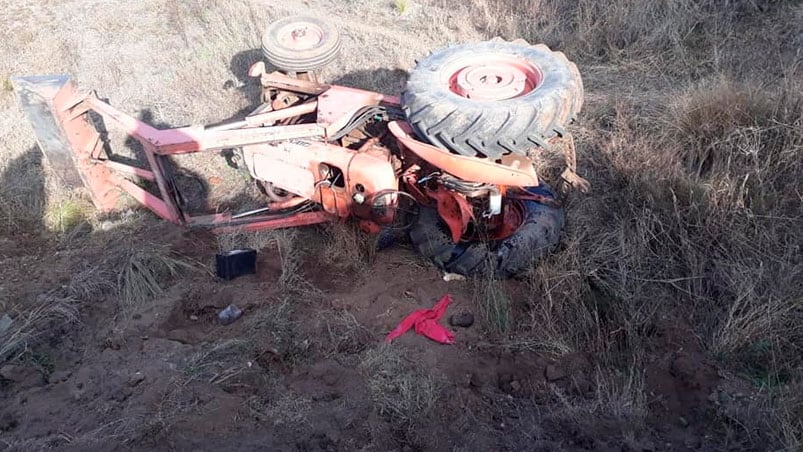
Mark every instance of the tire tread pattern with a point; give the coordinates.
(539, 233)
(505, 126)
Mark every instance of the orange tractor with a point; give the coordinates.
(458, 145)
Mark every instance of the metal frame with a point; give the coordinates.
(293, 147)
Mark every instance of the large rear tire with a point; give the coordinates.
(493, 98)
(537, 236)
(300, 43)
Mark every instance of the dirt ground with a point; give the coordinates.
(668, 318)
(307, 370)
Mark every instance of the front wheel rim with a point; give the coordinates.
(493, 78)
(300, 36)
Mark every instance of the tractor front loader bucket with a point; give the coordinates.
(57, 114)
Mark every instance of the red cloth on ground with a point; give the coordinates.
(426, 324)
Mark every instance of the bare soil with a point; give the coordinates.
(142, 379)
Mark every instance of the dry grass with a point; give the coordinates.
(283, 410)
(143, 270)
(176, 400)
(91, 282)
(242, 239)
(619, 395)
(22, 192)
(65, 215)
(344, 333)
(401, 392)
(221, 363)
(274, 319)
(700, 224)
(49, 312)
(493, 303)
(118, 430)
(347, 248)
(276, 330)
(684, 38)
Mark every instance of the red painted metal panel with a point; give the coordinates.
(471, 169)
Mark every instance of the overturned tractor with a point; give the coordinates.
(458, 147)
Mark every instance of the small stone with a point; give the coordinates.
(194, 317)
(229, 315)
(136, 378)
(515, 385)
(462, 319)
(554, 372)
(683, 421)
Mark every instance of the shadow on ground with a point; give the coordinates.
(22, 192)
(382, 80)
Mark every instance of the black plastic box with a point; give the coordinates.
(236, 263)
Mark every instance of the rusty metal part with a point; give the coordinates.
(309, 76)
(570, 173)
(287, 204)
(503, 226)
(59, 115)
(409, 178)
(132, 170)
(268, 117)
(338, 104)
(469, 189)
(225, 225)
(327, 174)
(368, 145)
(454, 210)
(275, 194)
(283, 99)
(284, 82)
(467, 168)
(197, 138)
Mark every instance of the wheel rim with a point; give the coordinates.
(300, 36)
(276, 194)
(495, 77)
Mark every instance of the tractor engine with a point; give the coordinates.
(343, 181)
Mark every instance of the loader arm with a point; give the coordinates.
(74, 149)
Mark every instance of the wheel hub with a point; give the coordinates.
(300, 36)
(493, 78)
